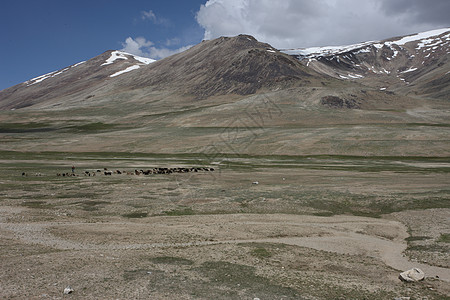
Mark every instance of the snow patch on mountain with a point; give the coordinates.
(135, 67)
(50, 75)
(328, 50)
(426, 39)
(409, 70)
(115, 55)
(419, 36)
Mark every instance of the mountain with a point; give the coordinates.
(241, 96)
(411, 65)
(417, 63)
(71, 81)
(239, 65)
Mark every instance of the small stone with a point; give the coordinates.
(402, 298)
(68, 290)
(412, 275)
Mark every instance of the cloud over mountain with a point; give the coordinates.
(142, 47)
(302, 23)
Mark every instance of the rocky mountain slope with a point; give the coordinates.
(239, 65)
(411, 65)
(71, 81)
(240, 96)
(417, 64)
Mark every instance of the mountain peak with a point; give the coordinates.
(116, 54)
(313, 52)
(226, 65)
(416, 62)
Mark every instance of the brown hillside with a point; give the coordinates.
(238, 65)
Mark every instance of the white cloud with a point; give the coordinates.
(158, 53)
(303, 23)
(136, 46)
(142, 47)
(150, 15)
(173, 42)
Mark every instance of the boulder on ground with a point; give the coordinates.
(68, 290)
(413, 275)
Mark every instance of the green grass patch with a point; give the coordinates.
(243, 278)
(170, 260)
(444, 238)
(417, 238)
(135, 215)
(92, 127)
(261, 253)
(428, 248)
(91, 205)
(32, 127)
(427, 203)
(88, 195)
(180, 212)
(329, 204)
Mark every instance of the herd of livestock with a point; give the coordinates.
(107, 172)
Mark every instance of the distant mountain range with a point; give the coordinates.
(415, 63)
(238, 95)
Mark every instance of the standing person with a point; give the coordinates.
(73, 169)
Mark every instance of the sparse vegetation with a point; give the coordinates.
(180, 212)
(113, 212)
(171, 260)
(37, 204)
(92, 127)
(444, 238)
(134, 215)
(240, 277)
(261, 253)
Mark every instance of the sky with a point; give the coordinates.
(38, 37)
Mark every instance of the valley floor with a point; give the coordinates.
(267, 227)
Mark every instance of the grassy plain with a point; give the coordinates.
(204, 235)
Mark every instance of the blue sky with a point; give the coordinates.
(41, 36)
(38, 37)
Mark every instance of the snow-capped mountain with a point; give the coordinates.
(432, 37)
(115, 55)
(239, 94)
(418, 62)
(240, 65)
(73, 80)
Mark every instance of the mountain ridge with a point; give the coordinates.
(72, 80)
(415, 64)
(237, 65)
(235, 95)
